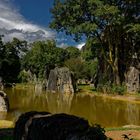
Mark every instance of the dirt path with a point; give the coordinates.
(119, 135)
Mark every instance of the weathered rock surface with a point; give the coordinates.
(46, 126)
(133, 79)
(61, 80)
(4, 103)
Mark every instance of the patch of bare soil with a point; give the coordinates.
(124, 134)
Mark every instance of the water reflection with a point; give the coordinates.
(132, 113)
(58, 103)
(101, 110)
(3, 115)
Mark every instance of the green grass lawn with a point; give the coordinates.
(85, 88)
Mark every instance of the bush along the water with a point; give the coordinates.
(111, 89)
(118, 89)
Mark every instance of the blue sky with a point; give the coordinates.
(37, 11)
(29, 19)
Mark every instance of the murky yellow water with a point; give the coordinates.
(101, 110)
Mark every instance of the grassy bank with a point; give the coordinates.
(132, 97)
(24, 85)
(83, 88)
(6, 124)
(121, 129)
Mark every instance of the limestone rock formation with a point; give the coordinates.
(46, 126)
(133, 79)
(4, 102)
(61, 80)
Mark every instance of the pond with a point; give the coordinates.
(100, 110)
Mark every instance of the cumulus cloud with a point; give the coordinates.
(79, 46)
(13, 24)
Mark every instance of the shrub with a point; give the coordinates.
(23, 76)
(111, 89)
(118, 89)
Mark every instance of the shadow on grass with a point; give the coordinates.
(6, 134)
(6, 137)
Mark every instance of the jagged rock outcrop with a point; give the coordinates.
(61, 80)
(46, 126)
(4, 102)
(133, 79)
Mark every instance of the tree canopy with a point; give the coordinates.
(9, 61)
(73, 52)
(112, 25)
(43, 56)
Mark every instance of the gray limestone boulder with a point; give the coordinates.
(4, 102)
(61, 80)
(133, 80)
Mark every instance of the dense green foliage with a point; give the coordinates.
(112, 26)
(73, 52)
(77, 66)
(43, 56)
(9, 61)
(20, 62)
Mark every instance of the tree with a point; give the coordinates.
(44, 56)
(20, 46)
(77, 66)
(91, 69)
(9, 62)
(91, 49)
(111, 23)
(73, 52)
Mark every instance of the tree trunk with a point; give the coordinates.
(115, 68)
(113, 61)
(116, 76)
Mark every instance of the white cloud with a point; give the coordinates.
(62, 45)
(79, 46)
(13, 24)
